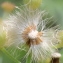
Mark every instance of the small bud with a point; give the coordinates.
(55, 57)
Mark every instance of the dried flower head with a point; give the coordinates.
(29, 27)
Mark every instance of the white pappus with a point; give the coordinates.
(29, 27)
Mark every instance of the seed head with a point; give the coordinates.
(29, 28)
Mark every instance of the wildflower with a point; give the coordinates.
(29, 28)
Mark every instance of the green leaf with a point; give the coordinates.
(28, 60)
(11, 58)
(17, 53)
(61, 52)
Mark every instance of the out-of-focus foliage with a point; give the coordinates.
(2, 35)
(32, 4)
(61, 52)
(55, 8)
(60, 37)
(4, 58)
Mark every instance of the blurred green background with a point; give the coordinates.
(54, 7)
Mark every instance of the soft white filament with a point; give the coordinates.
(16, 24)
(33, 34)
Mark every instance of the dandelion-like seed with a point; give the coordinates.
(32, 36)
(29, 27)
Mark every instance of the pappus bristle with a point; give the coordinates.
(29, 28)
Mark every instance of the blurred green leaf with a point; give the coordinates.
(61, 51)
(28, 60)
(17, 53)
(6, 57)
(55, 8)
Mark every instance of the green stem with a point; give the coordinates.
(12, 58)
(28, 60)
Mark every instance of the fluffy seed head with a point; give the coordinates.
(29, 28)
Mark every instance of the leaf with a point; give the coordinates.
(16, 52)
(61, 52)
(7, 57)
(28, 60)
